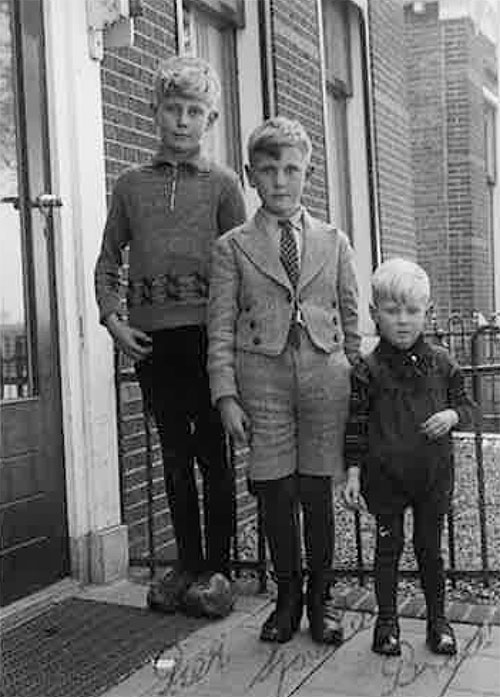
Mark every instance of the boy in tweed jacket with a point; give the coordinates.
(282, 323)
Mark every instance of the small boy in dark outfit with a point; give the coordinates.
(169, 212)
(406, 397)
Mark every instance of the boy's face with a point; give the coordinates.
(182, 122)
(279, 181)
(400, 323)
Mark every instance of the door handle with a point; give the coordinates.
(13, 200)
(46, 202)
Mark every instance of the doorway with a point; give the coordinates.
(33, 523)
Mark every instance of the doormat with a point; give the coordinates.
(81, 648)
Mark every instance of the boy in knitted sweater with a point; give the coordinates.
(168, 212)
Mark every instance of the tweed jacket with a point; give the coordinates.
(251, 299)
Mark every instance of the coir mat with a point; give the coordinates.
(81, 648)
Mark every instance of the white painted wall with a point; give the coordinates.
(250, 88)
(98, 541)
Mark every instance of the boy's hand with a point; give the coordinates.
(352, 489)
(133, 342)
(235, 421)
(440, 424)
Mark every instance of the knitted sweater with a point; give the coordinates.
(169, 214)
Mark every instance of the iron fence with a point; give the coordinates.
(476, 347)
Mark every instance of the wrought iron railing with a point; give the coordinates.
(476, 346)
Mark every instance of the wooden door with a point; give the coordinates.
(33, 532)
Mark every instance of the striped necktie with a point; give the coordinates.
(289, 254)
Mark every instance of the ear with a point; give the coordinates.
(211, 119)
(250, 175)
(374, 314)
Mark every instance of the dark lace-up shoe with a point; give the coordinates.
(284, 620)
(386, 637)
(441, 638)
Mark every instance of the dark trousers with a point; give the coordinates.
(281, 500)
(427, 532)
(175, 389)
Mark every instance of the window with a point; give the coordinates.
(490, 166)
(338, 91)
(347, 136)
(209, 31)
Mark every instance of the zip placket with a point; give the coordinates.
(171, 187)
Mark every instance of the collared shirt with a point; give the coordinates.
(297, 223)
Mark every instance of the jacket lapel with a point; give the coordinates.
(255, 243)
(313, 256)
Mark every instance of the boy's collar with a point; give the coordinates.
(296, 219)
(195, 159)
(420, 348)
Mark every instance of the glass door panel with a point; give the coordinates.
(15, 357)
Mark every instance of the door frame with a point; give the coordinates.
(98, 539)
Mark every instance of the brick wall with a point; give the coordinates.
(297, 83)
(426, 102)
(470, 261)
(392, 133)
(448, 64)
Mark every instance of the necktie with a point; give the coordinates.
(289, 254)
(289, 257)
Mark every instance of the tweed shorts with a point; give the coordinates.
(297, 403)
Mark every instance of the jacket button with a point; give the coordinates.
(251, 324)
(256, 340)
(335, 321)
(334, 304)
(336, 338)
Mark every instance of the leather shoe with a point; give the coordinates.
(284, 620)
(441, 638)
(324, 625)
(386, 637)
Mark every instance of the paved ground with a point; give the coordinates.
(226, 659)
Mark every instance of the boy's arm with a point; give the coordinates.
(109, 262)
(221, 321)
(348, 298)
(356, 430)
(231, 212)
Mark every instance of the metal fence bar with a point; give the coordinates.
(477, 370)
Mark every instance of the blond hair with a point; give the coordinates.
(276, 133)
(400, 280)
(187, 76)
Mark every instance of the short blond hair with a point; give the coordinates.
(187, 76)
(276, 133)
(400, 280)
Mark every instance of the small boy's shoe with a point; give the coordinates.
(211, 596)
(166, 594)
(441, 638)
(386, 637)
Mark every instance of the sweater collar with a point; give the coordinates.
(195, 160)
